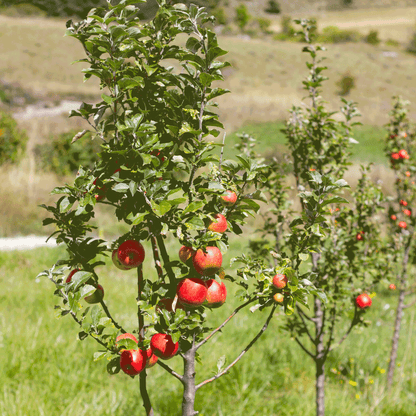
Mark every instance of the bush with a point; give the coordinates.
(392, 42)
(24, 9)
(333, 34)
(372, 38)
(273, 7)
(220, 16)
(63, 158)
(287, 26)
(346, 84)
(411, 48)
(264, 24)
(242, 16)
(12, 140)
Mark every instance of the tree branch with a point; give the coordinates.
(304, 349)
(306, 327)
(200, 344)
(158, 264)
(409, 305)
(241, 354)
(353, 323)
(170, 371)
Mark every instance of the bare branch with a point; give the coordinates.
(304, 349)
(353, 323)
(169, 370)
(107, 312)
(241, 354)
(200, 344)
(301, 315)
(409, 305)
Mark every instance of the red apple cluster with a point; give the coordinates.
(279, 282)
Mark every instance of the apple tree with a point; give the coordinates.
(340, 254)
(400, 249)
(158, 171)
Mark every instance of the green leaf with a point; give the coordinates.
(98, 355)
(303, 256)
(133, 187)
(160, 209)
(121, 188)
(195, 223)
(78, 279)
(96, 315)
(65, 205)
(137, 219)
(194, 206)
(107, 99)
(335, 200)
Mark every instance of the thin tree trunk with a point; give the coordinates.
(396, 335)
(320, 359)
(189, 389)
(143, 391)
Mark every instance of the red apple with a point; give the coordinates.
(403, 154)
(402, 224)
(132, 362)
(95, 297)
(359, 237)
(278, 297)
(219, 225)
(117, 262)
(191, 292)
(279, 281)
(363, 301)
(395, 156)
(207, 262)
(407, 212)
(127, 335)
(403, 202)
(393, 217)
(229, 199)
(185, 253)
(163, 346)
(151, 358)
(392, 286)
(69, 278)
(131, 253)
(216, 294)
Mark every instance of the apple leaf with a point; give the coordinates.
(98, 355)
(194, 206)
(113, 367)
(221, 362)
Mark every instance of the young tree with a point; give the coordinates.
(343, 243)
(400, 251)
(158, 172)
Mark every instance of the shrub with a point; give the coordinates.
(392, 42)
(220, 16)
(12, 140)
(346, 84)
(264, 24)
(411, 48)
(242, 16)
(63, 158)
(273, 7)
(333, 34)
(24, 9)
(372, 38)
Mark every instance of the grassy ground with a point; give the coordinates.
(46, 371)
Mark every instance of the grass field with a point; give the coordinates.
(46, 371)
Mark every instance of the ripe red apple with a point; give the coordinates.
(229, 199)
(395, 156)
(393, 217)
(403, 202)
(127, 335)
(69, 278)
(95, 297)
(392, 286)
(363, 301)
(278, 297)
(207, 262)
(403, 154)
(216, 294)
(185, 253)
(191, 292)
(407, 212)
(402, 224)
(219, 225)
(163, 346)
(279, 281)
(151, 358)
(132, 362)
(117, 262)
(359, 237)
(131, 253)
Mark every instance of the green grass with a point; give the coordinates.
(271, 140)
(46, 371)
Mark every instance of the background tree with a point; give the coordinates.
(400, 251)
(343, 242)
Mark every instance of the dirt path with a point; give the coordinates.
(25, 243)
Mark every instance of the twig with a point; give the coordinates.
(305, 349)
(222, 152)
(241, 354)
(107, 312)
(409, 305)
(353, 322)
(306, 328)
(200, 344)
(169, 370)
(158, 264)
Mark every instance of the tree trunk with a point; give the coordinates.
(320, 359)
(396, 335)
(189, 389)
(143, 391)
